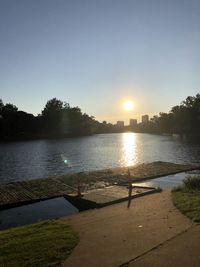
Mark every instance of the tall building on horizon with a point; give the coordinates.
(145, 118)
(120, 124)
(133, 122)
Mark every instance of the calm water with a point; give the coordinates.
(44, 158)
(31, 213)
(169, 181)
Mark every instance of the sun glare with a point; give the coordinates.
(128, 105)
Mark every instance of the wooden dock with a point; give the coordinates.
(23, 192)
(14, 194)
(102, 197)
(115, 194)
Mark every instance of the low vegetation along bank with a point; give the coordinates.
(187, 198)
(46, 243)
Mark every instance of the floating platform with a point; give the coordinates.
(29, 191)
(115, 194)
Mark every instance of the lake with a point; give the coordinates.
(45, 158)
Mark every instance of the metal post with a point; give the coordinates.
(129, 189)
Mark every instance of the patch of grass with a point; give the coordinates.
(46, 243)
(187, 198)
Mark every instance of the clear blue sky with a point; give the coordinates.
(95, 53)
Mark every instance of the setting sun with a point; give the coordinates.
(128, 105)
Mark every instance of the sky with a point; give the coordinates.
(97, 53)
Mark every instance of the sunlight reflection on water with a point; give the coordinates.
(129, 155)
(47, 158)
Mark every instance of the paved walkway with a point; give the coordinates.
(115, 235)
(182, 250)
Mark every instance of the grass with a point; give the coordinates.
(187, 198)
(46, 243)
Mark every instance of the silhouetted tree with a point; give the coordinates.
(52, 117)
(1, 104)
(61, 120)
(52, 107)
(187, 116)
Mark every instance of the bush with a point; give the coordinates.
(192, 183)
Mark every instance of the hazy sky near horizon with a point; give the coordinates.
(95, 53)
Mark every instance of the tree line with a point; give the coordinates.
(183, 119)
(56, 120)
(59, 120)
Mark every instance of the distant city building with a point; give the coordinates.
(145, 118)
(120, 124)
(133, 122)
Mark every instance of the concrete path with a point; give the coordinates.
(116, 235)
(183, 250)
